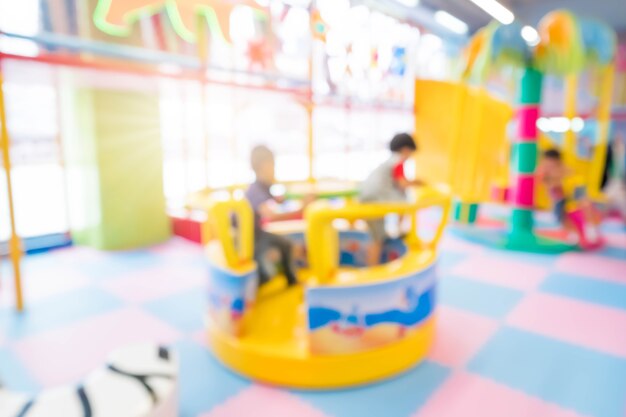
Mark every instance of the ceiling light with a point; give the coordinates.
(496, 10)
(577, 124)
(543, 124)
(530, 35)
(454, 24)
(559, 124)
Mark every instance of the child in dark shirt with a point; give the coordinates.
(264, 205)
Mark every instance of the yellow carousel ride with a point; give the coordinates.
(346, 324)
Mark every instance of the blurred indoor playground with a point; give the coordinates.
(312, 208)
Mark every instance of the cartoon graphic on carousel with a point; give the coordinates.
(230, 299)
(352, 252)
(368, 324)
(350, 325)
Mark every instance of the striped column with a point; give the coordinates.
(525, 153)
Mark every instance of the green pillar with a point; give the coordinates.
(525, 155)
(521, 229)
(465, 212)
(114, 167)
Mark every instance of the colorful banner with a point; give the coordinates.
(349, 319)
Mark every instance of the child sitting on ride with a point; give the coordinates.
(265, 208)
(387, 183)
(615, 187)
(552, 172)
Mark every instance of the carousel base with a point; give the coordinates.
(273, 347)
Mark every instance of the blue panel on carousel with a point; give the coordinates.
(355, 318)
(393, 249)
(353, 248)
(230, 293)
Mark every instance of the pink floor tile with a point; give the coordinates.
(504, 272)
(69, 353)
(155, 283)
(593, 326)
(460, 335)
(178, 248)
(263, 401)
(464, 395)
(593, 266)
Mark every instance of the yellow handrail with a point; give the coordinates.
(238, 246)
(322, 239)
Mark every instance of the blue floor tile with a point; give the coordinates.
(118, 264)
(449, 259)
(589, 382)
(586, 289)
(13, 375)
(184, 310)
(398, 397)
(613, 252)
(56, 311)
(486, 299)
(613, 227)
(204, 383)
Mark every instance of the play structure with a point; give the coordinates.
(107, 59)
(475, 154)
(139, 380)
(346, 324)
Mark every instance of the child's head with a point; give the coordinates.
(552, 157)
(403, 145)
(262, 163)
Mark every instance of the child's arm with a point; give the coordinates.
(404, 183)
(270, 211)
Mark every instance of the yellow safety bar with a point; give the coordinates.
(238, 245)
(322, 239)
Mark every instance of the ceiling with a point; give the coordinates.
(530, 11)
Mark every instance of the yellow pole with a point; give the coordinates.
(203, 56)
(310, 149)
(469, 194)
(15, 249)
(604, 119)
(569, 144)
(309, 103)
